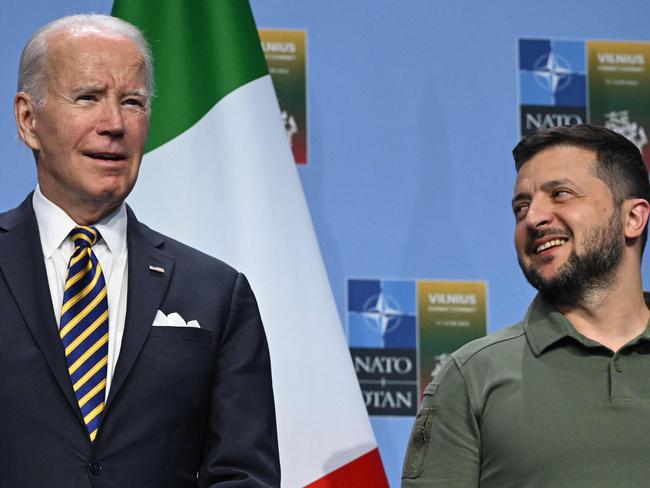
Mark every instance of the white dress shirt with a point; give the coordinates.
(54, 225)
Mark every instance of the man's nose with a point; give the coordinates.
(539, 214)
(111, 121)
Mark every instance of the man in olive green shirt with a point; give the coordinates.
(561, 399)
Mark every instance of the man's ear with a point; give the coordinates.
(635, 212)
(25, 113)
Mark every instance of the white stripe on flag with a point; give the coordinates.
(233, 173)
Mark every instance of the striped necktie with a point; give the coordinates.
(84, 327)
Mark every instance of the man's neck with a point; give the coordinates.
(613, 316)
(82, 212)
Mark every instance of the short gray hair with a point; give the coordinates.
(32, 73)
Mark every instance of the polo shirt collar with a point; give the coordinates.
(54, 225)
(545, 326)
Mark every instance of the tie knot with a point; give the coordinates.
(84, 236)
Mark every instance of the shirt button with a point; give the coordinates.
(95, 468)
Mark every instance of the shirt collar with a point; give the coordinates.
(545, 326)
(54, 225)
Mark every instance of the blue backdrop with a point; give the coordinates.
(413, 112)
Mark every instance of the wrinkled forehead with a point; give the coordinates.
(80, 50)
(79, 39)
(567, 167)
(559, 162)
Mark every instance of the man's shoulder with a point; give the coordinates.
(493, 346)
(192, 259)
(12, 217)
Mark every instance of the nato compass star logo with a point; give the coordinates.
(381, 314)
(552, 73)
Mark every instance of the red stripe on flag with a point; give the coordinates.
(366, 471)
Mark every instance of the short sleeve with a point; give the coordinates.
(444, 446)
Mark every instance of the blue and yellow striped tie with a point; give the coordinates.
(84, 327)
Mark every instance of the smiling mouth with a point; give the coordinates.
(550, 244)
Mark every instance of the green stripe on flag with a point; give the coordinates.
(202, 51)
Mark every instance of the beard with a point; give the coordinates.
(583, 274)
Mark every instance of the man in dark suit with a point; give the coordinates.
(128, 359)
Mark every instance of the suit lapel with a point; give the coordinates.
(21, 263)
(146, 290)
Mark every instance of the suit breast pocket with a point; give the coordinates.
(175, 367)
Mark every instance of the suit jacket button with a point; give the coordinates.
(95, 468)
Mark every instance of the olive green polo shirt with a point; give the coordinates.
(535, 405)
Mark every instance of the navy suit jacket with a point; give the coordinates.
(187, 407)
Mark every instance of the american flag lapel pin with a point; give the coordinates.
(156, 269)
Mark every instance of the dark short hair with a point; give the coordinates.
(618, 161)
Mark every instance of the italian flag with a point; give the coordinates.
(219, 174)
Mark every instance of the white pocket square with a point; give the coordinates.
(172, 320)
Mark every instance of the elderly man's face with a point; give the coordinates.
(569, 233)
(90, 133)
